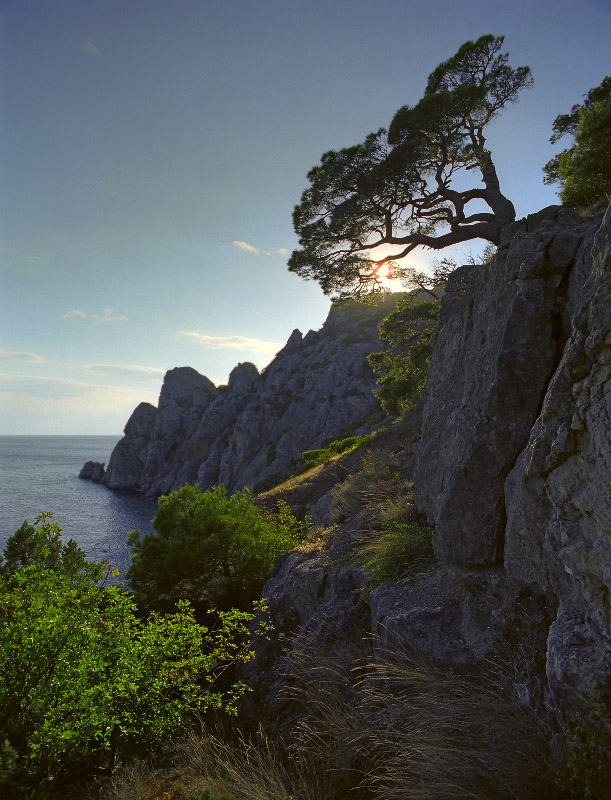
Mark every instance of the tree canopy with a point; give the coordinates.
(396, 188)
(584, 170)
(83, 679)
(209, 548)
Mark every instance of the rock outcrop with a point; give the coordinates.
(255, 428)
(511, 462)
(93, 471)
(512, 468)
(499, 341)
(514, 464)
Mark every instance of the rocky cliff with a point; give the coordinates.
(514, 465)
(255, 428)
(511, 465)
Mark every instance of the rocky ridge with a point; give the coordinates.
(255, 428)
(511, 465)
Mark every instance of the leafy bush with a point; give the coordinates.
(83, 678)
(584, 170)
(410, 331)
(209, 548)
(41, 544)
(311, 458)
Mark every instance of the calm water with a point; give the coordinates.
(40, 473)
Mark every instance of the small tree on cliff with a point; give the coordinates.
(396, 187)
(584, 170)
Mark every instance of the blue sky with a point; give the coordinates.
(152, 152)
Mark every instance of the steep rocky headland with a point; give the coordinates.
(255, 428)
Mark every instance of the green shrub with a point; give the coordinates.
(584, 170)
(410, 331)
(41, 544)
(84, 678)
(312, 458)
(401, 551)
(211, 549)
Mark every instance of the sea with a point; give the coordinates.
(40, 474)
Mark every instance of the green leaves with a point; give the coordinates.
(81, 676)
(409, 330)
(41, 544)
(212, 549)
(584, 170)
(396, 187)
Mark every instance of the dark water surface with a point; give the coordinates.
(40, 473)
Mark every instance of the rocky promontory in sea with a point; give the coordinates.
(254, 429)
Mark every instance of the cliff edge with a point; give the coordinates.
(511, 466)
(255, 429)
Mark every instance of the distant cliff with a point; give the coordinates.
(255, 428)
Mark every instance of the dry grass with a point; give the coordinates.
(389, 729)
(130, 782)
(361, 492)
(294, 481)
(254, 769)
(317, 539)
(330, 728)
(447, 737)
(392, 542)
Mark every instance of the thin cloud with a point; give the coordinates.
(124, 368)
(249, 248)
(105, 316)
(61, 381)
(111, 319)
(16, 355)
(233, 343)
(91, 48)
(115, 193)
(245, 246)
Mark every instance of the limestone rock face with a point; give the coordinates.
(501, 335)
(127, 462)
(514, 463)
(558, 496)
(258, 425)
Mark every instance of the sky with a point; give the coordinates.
(152, 152)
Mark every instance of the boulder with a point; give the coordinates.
(92, 471)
